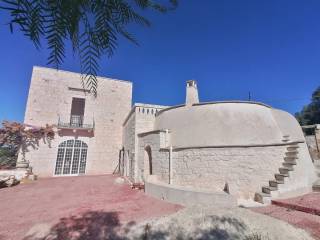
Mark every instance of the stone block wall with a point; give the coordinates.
(140, 119)
(245, 170)
(313, 142)
(50, 97)
(159, 156)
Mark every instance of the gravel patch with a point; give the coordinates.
(213, 223)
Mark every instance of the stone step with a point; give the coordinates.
(291, 162)
(269, 189)
(284, 170)
(293, 147)
(316, 186)
(288, 166)
(281, 176)
(290, 158)
(292, 151)
(292, 154)
(262, 197)
(275, 183)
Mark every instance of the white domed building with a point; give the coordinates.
(230, 149)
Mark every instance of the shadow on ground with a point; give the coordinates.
(96, 225)
(90, 225)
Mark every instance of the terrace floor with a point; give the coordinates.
(302, 212)
(74, 208)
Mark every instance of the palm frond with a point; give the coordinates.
(92, 26)
(89, 57)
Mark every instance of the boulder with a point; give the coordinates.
(8, 181)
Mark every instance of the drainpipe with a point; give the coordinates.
(170, 165)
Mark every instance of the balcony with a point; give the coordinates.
(75, 122)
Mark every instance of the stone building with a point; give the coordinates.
(247, 149)
(89, 130)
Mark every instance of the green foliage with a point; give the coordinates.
(92, 26)
(310, 114)
(16, 136)
(8, 157)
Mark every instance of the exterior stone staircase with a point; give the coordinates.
(279, 178)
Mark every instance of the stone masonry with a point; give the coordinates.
(50, 96)
(140, 119)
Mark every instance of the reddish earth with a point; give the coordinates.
(302, 212)
(309, 203)
(67, 203)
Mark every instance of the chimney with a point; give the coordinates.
(192, 93)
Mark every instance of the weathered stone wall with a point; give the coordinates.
(140, 119)
(50, 96)
(129, 135)
(245, 170)
(312, 146)
(313, 142)
(159, 158)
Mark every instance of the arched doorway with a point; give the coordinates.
(147, 161)
(71, 158)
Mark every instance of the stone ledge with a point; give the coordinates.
(188, 196)
(232, 101)
(234, 146)
(151, 132)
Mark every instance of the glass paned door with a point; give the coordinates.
(71, 158)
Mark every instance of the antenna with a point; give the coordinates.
(249, 96)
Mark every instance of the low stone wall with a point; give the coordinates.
(188, 196)
(18, 173)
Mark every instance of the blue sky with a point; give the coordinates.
(270, 48)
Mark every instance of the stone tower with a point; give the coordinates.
(192, 93)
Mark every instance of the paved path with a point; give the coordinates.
(74, 204)
(302, 212)
(309, 203)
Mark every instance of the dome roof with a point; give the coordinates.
(227, 124)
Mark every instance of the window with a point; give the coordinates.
(71, 158)
(77, 112)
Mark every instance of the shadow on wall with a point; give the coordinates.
(97, 225)
(75, 133)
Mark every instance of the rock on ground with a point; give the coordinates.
(8, 181)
